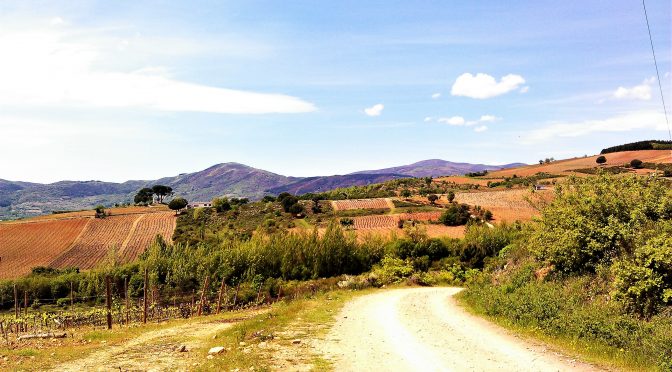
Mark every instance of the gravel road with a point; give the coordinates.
(424, 329)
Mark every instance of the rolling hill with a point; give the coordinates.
(438, 167)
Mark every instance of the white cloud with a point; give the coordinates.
(651, 120)
(428, 119)
(488, 118)
(482, 86)
(454, 120)
(374, 110)
(436, 95)
(639, 92)
(60, 67)
(481, 128)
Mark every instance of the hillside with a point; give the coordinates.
(438, 167)
(568, 166)
(79, 240)
(22, 199)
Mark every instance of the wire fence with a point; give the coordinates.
(120, 309)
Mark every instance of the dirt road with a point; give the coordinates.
(423, 329)
(152, 351)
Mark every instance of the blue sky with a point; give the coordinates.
(140, 90)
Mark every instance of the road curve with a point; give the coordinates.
(423, 329)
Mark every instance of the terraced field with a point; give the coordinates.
(27, 245)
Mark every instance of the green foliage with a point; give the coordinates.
(455, 215)
(178, 203)
(481, 242)
(161, 191)
(601, 159)
(144, 196)
(572, 309)
(221, 204)
(636, 163)
(644, 282)
(450, 196)
(592, 220)
(641, 145)
(432, 198)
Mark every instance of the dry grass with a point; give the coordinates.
(90, 213)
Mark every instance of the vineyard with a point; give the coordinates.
(391, 221)
(145, 231)
(82, 242)
(507, 205)
(26, 245)
(344, 205)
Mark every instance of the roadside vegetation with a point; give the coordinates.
(594, 272)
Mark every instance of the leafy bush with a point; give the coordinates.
(455, 215)
(636, 163)
(593, 220)
(644, 283)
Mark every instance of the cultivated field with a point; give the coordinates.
(90, 213)
(566, 166)
(391, 220)
(344, 205)
(147, 228)
(26, 245)
(82, 242)
(507, 205)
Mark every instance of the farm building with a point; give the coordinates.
(200, 205)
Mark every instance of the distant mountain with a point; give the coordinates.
(21, 199)
(438, 167)
(326, 183)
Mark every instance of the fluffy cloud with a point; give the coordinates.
(56, 65)
(482, 86)
(639, 92)
(374, 110)
(651, 120)
(436, 95)
(481, 128)
(428, 119)
(488, 118)
(453, 120)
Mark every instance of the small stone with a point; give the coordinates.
(217, 350)
(181, 348)
(296, 342)
(214, 337)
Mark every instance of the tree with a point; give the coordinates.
(636, 163)
(268, 199)
(162, 191)
(455, 215)
(405, 193)
(601, 159)
(144, 196)
(432, 198)
(450, 196)
(221, 204)
(428, 181)
(288, 201)
(295, 209)
(177, 204)
(100, 211)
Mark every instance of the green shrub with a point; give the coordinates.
(455, 215)
(644, 283)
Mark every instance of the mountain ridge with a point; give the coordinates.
(21, 199)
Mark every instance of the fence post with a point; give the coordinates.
(235, 298)
(108, 301)
(144, 311)
(205, 288)
(219, 297)
(16, 302)
(126, 297)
